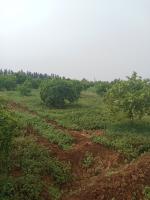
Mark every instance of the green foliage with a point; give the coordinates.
(55, 193)
(35, 160)
(35, 83)
(21, 188)
(130, 139)
(84, 119)
(25, 88)
(56, 92)
(90, 113)
(20, 77)
(102, 87)
(55, 136)
(147, 193)
(7, 82)
(7, 131)
(32, 162)
(88, 160)
(131, 96)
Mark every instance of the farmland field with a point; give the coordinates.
(80, 151)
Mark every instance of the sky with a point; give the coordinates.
(92, 39)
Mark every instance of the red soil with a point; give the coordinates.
(108, 178)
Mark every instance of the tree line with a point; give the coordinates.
(130, 96)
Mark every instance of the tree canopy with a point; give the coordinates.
(132, 96)
(57, 92)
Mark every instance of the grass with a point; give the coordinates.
(78, 116)
(130, 139)
(62, 139)
(89, 113)
(33, 162)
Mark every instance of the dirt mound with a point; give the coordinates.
(127, 184)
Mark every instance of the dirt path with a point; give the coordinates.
(107, 178)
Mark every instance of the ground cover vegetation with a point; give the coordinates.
(53, 108)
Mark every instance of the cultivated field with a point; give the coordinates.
(78, 152)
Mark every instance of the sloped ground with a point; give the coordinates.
(127, 184)
(108, 177)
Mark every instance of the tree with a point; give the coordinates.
(131, 96)
(57, 92)
(102, 87)
(25, 88)
(7, 82)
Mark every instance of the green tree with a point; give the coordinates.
(25, 88)
(7, 82)
(102, 87)
(131, 96)
(57, 92)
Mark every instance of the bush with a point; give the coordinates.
(7, 82)
(147, 192)
(132, 97)
(7, 131)
(88, 160)
(54, 193)
(57, 92)
(25, 88)
(102, 87)
(27, 187)
(35, 83)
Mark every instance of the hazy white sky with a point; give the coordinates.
(101, 39)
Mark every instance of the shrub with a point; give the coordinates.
(25, 88)
(88, 160)
(57, 92)
(27, 187)
(147, 192)
(55, 193)
(7, 82)
(7, 131)
(131, 97)
(102, 87)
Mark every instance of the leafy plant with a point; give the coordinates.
(54, 193)
(147, 192)
(88, 160)
(56, 92)
(131, 96)
(25, 88)
(7, 130)
(27, 187)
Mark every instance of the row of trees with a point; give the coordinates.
(131, 96)
(9, 80)
(27, 74)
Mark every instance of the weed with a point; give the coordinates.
(147, 192)
(54, 193)
(88, 160)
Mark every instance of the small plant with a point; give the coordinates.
(54, 193)
(88, 160)
(147, 192)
